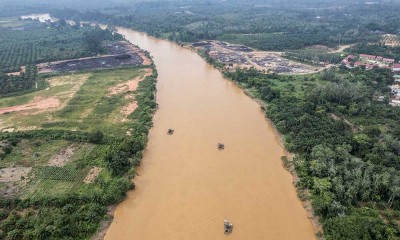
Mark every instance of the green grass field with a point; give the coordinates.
(54, 181)
(89, 107)
(85, 105)
(30, 153)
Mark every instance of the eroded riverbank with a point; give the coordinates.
(186, 186)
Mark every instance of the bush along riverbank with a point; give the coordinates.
(346, 146)
(63, 202)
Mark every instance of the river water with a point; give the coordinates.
(187, 187)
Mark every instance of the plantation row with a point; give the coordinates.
(23, 83)
(58, 173)
(44, 44)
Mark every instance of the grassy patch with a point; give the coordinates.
(11, 22)
(30, 153)
(54, 181)
(84, 100)
(91, 105)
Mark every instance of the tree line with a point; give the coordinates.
(347, 146)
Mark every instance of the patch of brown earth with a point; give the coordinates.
(12, 180)
(14, 74)
(92, 175)
(36, 104)
(341, 48)
(120, 88)
(23, 70)
(146, 60)
(128, 109)
(61, 158)
(8, 130)
(105, 224)
(14, 174)
(148, 72)
(130, 85)
(29, 128)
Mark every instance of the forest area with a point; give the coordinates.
(262, 25)
(346, 145)
(21, 48)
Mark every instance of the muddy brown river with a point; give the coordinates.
(187, 187)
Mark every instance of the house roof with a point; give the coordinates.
(388, 59)
(367, 56)
(396, 65)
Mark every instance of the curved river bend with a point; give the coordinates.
(186, 185)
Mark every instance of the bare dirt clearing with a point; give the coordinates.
(128, 110)
(36, 104)
(120, 54)
(242, 56)
(14, 174)
(42, 104)
(92, 175)
(64, 156)
(391, 40)
(23, 70)
(130, 85)
(127, 88)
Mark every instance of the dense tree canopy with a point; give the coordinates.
(347, 145)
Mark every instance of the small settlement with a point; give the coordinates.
(369, 62)
(395, 91)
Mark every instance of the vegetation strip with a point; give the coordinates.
(52, 185)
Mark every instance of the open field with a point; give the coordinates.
(85, 102)
(11, 22)
(60, 179)
(102, 100)
(244, 57)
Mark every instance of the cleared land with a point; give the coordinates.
(391, 40)
(76, 102)
(242, 56)
(102, 100)
(120, 54)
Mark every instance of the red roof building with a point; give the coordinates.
(396, 67)
(388, 60)
(359, 64)
(368, 56)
